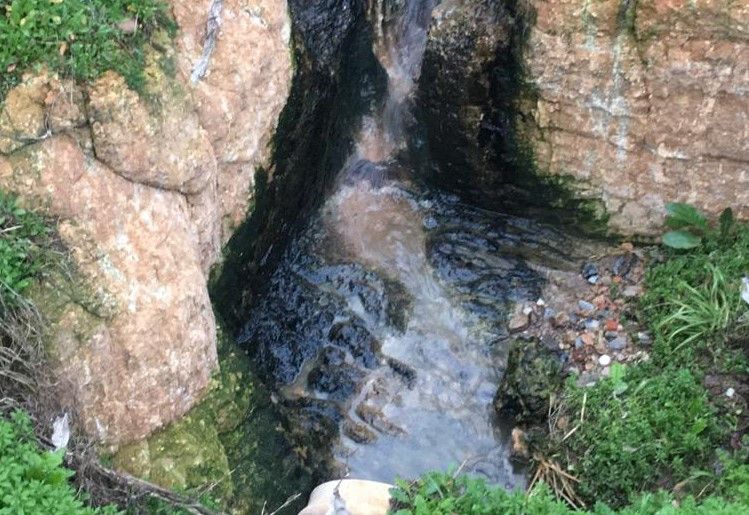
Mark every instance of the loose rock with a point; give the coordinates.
(618, 343)
(585, 307)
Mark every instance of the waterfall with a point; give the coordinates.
(387, 316)
(400, 34)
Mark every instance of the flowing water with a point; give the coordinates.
(385, 324)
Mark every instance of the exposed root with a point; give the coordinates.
(107, 486)
(560, 482)
(548, 470)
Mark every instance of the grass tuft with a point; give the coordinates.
(78, 38)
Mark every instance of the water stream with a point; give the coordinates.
(385, 323)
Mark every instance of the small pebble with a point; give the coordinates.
(604, 360)
(579, 344)
(593, 279)
(430, 222)
(585, 306)
(540, 302)
(730, 393)
(618, 343)
(644, 338)
(592, 325)
(590, 270)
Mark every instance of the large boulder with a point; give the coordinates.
(145, 190)
(644, 101)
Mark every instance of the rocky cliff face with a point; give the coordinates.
(146, 189)
(337, 78)
(646, 101)
(632, 103)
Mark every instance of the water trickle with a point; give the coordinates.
(386, 320)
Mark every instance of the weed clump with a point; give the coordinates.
(32, 480)
(78, 38)
(22, 248)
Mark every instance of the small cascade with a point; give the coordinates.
(384, 329)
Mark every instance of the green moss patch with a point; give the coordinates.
(189, 454)
(229, 448)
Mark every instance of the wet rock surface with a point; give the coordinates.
(336, 79)
(347, 341)
(626, 105)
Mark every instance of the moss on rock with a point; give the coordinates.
(533, 375)
(189, 454)
(232, 439)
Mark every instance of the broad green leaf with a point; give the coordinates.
(681, 240)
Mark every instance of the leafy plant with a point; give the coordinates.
(34, 481)
(23, 238)
(690, 226)
(78, 38)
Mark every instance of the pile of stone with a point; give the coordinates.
(593, 325)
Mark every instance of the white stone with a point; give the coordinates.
(60, 432)
(604, 360)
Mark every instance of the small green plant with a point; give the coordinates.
(693, 302)
(444, 494)
(641, 427)
(690, 226)
(34, 481)
(23, 239)
(437, 493)
(78, 38)
(700, 314)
